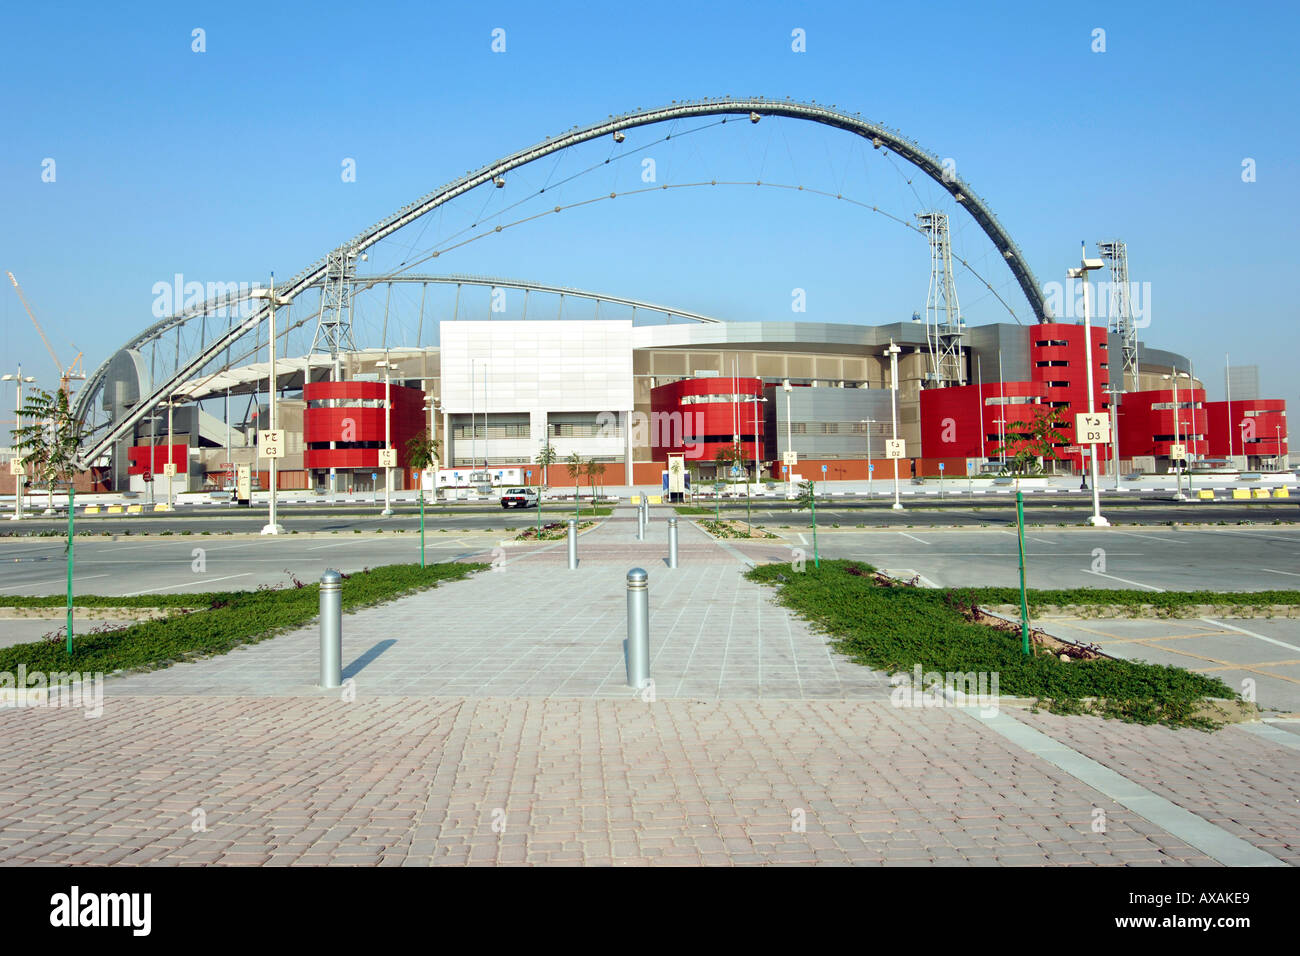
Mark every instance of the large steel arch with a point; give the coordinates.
(879, 136)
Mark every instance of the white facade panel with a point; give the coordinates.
(578, 365)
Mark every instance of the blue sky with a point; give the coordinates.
(225, 165)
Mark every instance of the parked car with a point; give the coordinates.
(519, 498)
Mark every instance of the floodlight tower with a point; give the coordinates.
(943, 322)
(1120, 320)
(334, 322)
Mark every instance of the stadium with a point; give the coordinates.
(352, 365)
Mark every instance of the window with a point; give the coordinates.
(1046, 343)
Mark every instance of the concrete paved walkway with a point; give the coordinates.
(488, 722)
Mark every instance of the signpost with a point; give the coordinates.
(388, 458)
(940, 479)
(244, 485)
(1093, 429)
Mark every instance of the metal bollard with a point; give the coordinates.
(672, 542)
(636, 649)
(640, 524)
(573, 543)
(331, 629)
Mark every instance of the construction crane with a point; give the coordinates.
(66, 375)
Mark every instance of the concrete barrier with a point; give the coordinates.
(1205, 494)
(1240, 493)
(1281, 493)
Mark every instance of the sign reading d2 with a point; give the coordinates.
(16, 467)
(1092, 428)
(895, 448)
(270, 444)
(388, 458)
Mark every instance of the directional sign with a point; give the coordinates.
(790, 458)
(169, 469)
(388, 458)
(16, 467)
(1092, 428)
(1178, 451)
(270, 444)
(895, 448)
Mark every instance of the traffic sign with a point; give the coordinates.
(823, 469)
(270, 444)
(388, 458)
(1177, 451)
(791, 458)
(169, 469)
(941, 466)
(1092, 428)
(895, 448)
(785, 469)
(16, 467)
(374, 476)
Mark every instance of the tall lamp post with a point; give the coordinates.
(387, 366)
(1178, 412)
(18, 380)
(1277, 446)
(868, 422)
(789, 441)
(274, 302)
(893, 351)
(1114, 392)
(1087, 265)
(757, 399)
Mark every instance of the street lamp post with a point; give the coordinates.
(893, 351)
(18, 380)
(757, 399)
(387, 366)
(1115, 393)
(171, 404)
(789, 441)
(1178, 413)
(1087, 265)
(869, 422)
(1277, 446)
(273, 302)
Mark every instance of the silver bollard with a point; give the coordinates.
(636, 649)
(331, 629)
(573, 543)
(640, 523)
(672, 542)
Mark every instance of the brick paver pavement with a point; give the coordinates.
(420, 780)
(490, 724)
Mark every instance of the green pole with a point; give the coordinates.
(1024, 601)
(812, 497)
(71, 531)
(422, 524)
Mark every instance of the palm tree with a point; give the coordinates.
(546, 457)
(575, 465)
(421, 452)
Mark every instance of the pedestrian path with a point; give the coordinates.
(532, 627)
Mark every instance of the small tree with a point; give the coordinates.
(1032, 440)
(575, 465)
(546, 457)
(807, 494)
(49, 442)
(422, 452)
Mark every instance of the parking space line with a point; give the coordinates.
(1272, 571)
(1136, 584)
(184, 584)
(1242, 630)
(37, 584)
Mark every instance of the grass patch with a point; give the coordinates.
(733, 529)
(692, 510)
(554, 531)
(1167, 600)
(893, 629)
(228, 619)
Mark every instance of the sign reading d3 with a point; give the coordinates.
(1092, 428)
(270, 444)
(895, 448)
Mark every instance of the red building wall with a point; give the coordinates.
(363, 426)
(1066, 385)
(712, 424)
(1148, 431)
(952, 418)
(1265, 417)
(151, 458)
